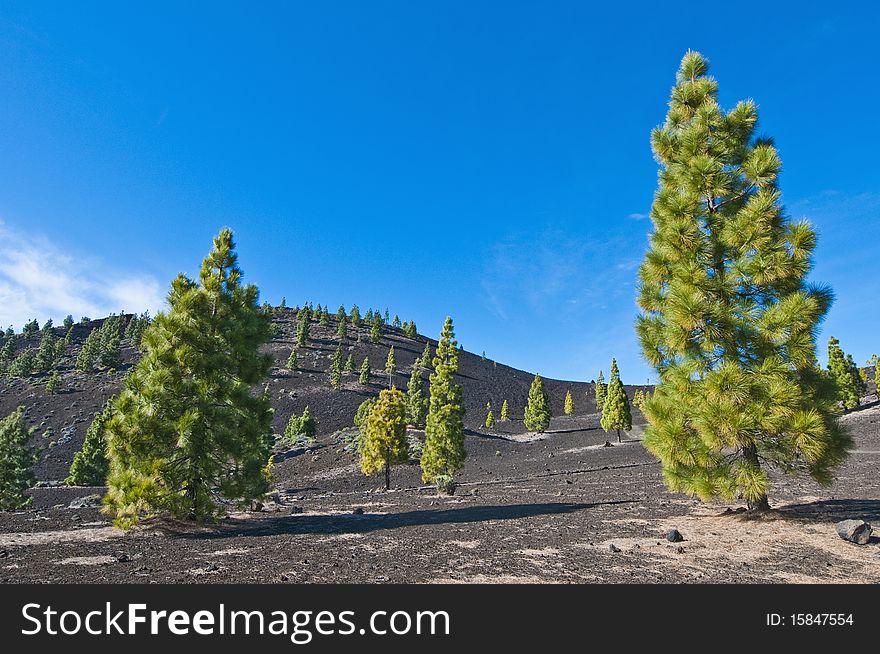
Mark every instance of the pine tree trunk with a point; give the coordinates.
(618, 436)
(387, 474)
(750, 454)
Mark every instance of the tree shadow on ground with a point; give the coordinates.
(832, 510)
(367, 522)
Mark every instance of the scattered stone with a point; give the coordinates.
(674, 536)
(608, 444)
(4, 554)
(85, 502)
(855, 531)
(613, 548)
(296, 509)
(358, 511)
(636, 546)
(122, 557)
(680, 549)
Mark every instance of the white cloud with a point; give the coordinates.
(638, 216)
(39, 279)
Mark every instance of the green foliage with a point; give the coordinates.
(134, 330)
(568, 408)
(89, 352)
(355, 316)
(376, 329)
(302, 332)
(505, 411)
(396, 322)
(424, 361)
(300, 429)
(324, 320)
(340, 313)
(293, 360)
(109, 354)
(841, 371)
(537, 414)
(638, 398)
(90, 464)
(336, 367)
(416, 400)
(342, 329)
(16, 462)
(31, 329)
(349, 365)
(52, 382)
(409, 329)
(68, 322)
(601, 389)
(390, 366)
(24, 364)
(616, 413)
(443, 453)
(363, 412)
(47, 352)
(728, 319)
(365, 372)
(383, 442)
(490, 420)
(187, 426)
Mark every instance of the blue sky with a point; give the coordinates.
(485, 160)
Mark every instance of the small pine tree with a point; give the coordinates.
(52, 382)
(383, 442)
(390, 366)
(410, 330)
(90, 465)
(355, 316)
(16, 462)
(300, 428)
(385, 318)
(109, 353)
(31, 329)
(340, 313)
(568, 408)
(302, 332)
(336, 367)
(505, 411)
(425, 360)
(23, 365)
(601, 387)
(537, 414)
(376, 329)
(858, 382)
(325, 318)
(490, 420)
(46, 354)
(68, 322)
(293, 361)
(365, 372)
(362, 413)
(349, 365)
(443, 453)
(416, 400)
(89, 352)
(342, 330)
(396, 322)
(616, 413)
(841, 372)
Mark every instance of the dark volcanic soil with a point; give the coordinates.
(558, 507)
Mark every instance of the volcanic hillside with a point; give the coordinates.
(62, 418)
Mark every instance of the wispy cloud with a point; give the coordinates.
(39, 279)
(639, 216)
(554, 273)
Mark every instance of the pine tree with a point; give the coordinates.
(858, 381)
(336, 367)
(300, 428)
(293, 361)
(409, 330)
(31, 329)
(616, 413)
(383, 443)
(601, 388)
(362, 413)
(109, 354)
(324, 320)
(355, 316)
(841, 372)
(89, 352)
(396, 322)
(90, 465)
(342, 331)
(68, 322)
(568, 408)
(416, 400)
(443, 454)
(638, 398)
(376, 329)
(16, 462)
(390, 366)
(302, 332)
(340, 313)
(490, 420)
(505, 411)
(187, 426)
(52, 382)
(728, 320)
(46, 354)
(23, 365)
(385, 319)
(365, 372)
(425, 360)
(537, 414)
(349, 365)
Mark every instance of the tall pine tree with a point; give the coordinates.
(728, 319)
(383, 442)
(443, 454)
(616, 414)
(187, 425)
(841, 371)
(416, 400)
(537, 414)
(90, 465)
(601, 387)
(16, 462)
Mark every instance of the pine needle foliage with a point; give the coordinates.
(728, 319)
